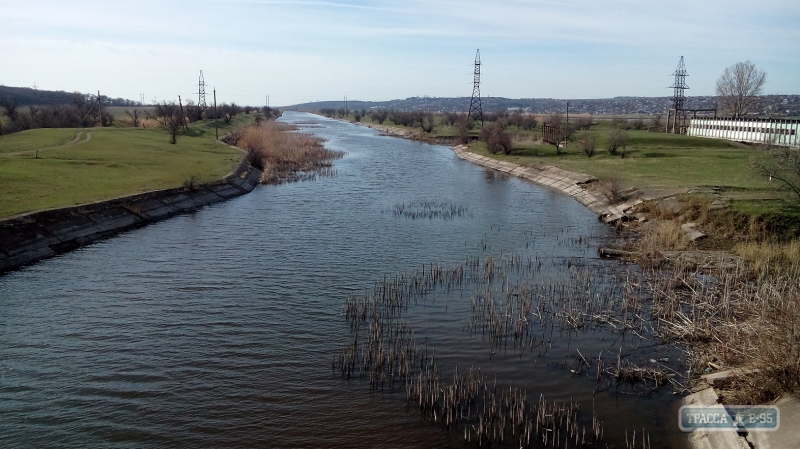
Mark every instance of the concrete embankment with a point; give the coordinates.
(568, 182)
(32, 237)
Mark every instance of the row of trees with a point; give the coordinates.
(83, 111)
(175, 118)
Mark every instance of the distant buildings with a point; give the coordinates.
(769, 106)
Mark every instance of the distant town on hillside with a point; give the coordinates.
(769, 105)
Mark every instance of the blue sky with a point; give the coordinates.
(298, 51)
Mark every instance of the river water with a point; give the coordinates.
(217, 328)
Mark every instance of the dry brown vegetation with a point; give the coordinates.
(285, 155)
(735, 319)
(743, 316)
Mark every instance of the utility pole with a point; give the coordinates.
(183, 116)
(216, 130)
(475, 113)
(566, 130)
(100, 107)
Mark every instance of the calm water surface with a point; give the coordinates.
(217, 328)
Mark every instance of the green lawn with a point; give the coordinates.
(36, 138)
(114, 162)
(654, 160)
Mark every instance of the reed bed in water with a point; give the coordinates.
(513, 307)
(285, 155)
(430, 210)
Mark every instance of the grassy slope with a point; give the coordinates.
(36, 138)
(115, 162)
(654, 160)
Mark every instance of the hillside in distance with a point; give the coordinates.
(25, 96)
(769, 106)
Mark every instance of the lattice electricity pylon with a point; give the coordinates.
(475, 108)
(201, 96)
(679, 86)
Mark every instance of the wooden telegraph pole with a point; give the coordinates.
(100, 107)
(216, 118)
(566, 130)
(183, 117)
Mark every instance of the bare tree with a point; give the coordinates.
(739, 86)
(584, 123)
(657, 121)
(9, 106)
(168, 115)
(559, 131)
(496, 138)
(194, 112)
(617, 138)
(588, 139)
(134, 117)
(428, 122)
(782, 164)
(379, 116)
(462, 130)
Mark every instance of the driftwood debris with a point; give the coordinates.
(615, 253)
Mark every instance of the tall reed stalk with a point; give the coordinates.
(286, 155)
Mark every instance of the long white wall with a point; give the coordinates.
(777, 132)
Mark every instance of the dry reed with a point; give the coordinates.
(286, 155)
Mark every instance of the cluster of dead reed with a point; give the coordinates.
(734, 319)
(429, 209)
(286, 155)
(486, 415)
(513, 306)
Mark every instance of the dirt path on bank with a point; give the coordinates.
(80, 137)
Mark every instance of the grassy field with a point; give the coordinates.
(653, 159)
(114, 162)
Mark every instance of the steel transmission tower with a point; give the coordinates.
(475, 108)
(676, 119)
(679, 86)
(201, 96)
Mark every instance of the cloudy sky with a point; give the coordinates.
(298, 51)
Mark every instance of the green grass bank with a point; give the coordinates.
(52, 168)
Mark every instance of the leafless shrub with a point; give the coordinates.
(233, 137)
(191, 183)
(496, 138)
(135, 117)
(657, 121)
(587, 140)
(617, 138)
(781, 164)
(584, 123)
(462, 130)
(613, 190)
(168, 115)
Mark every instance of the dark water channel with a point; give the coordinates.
(218, 328)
